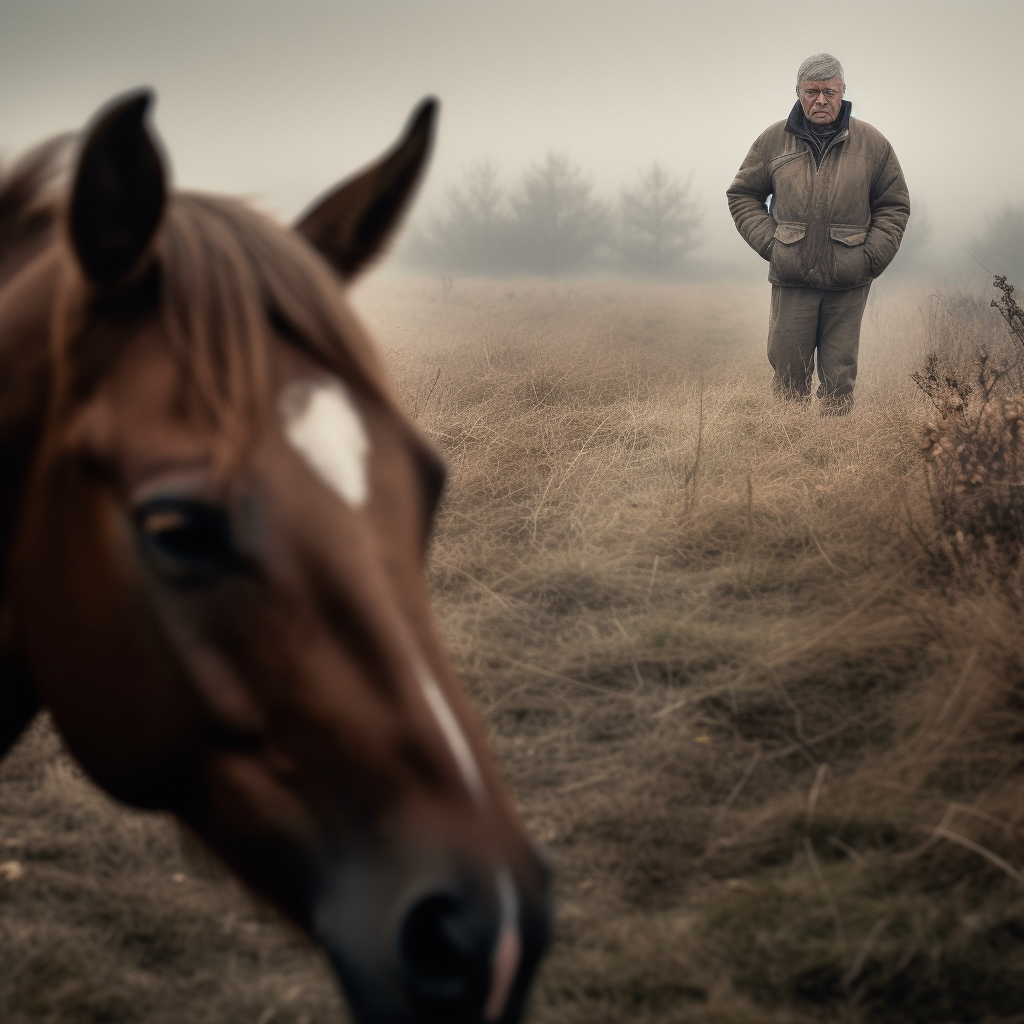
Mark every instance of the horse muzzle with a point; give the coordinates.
(456, 944)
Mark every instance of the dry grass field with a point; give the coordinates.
(763, 710)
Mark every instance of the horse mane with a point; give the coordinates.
(224, 280)
(30, 203)
(30, 193)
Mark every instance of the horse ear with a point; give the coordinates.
(119, 192)
(350, 225)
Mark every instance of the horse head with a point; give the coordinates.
(216, 583)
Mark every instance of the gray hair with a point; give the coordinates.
(820, 68)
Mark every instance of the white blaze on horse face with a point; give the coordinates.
(454, 736)
(322, 423)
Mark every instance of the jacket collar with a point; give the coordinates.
(795, 123)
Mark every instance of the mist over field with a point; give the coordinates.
(279, 101)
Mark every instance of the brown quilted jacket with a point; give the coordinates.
(835, 226)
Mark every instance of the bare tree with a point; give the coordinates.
(658, 223)
(558, 224)
(552, 223)
(473, 235)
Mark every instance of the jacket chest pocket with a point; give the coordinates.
(786, 249)
(850, 259)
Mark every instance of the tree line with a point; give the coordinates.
(552, 222)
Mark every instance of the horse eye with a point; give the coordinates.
(187, 542)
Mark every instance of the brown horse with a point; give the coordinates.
(212, 528)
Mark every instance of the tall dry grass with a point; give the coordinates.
(775, 759)
(775, 755)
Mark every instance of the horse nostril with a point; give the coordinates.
(445, 946)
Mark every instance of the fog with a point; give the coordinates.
(278, 101)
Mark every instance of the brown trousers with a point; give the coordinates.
(808, 320)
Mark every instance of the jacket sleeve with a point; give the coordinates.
(747, 197)
(890, 211)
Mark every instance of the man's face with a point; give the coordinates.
(821, 100)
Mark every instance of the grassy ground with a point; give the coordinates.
(774, 752)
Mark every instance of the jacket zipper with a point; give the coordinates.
(845, 134)
(827, 249)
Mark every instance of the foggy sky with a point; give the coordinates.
(280, 100)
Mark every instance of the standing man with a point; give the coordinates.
(820, 196)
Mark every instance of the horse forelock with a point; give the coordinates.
(228, 280)
(30, 201)
(224, 282)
